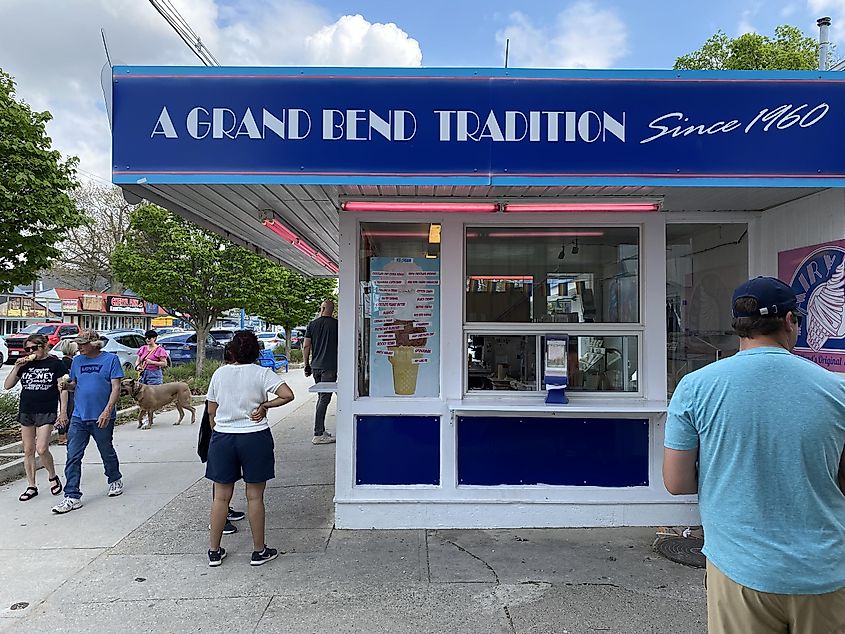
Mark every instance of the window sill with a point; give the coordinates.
(575, 406)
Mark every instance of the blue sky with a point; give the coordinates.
(462, 32)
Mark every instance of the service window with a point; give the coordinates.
(523, 283)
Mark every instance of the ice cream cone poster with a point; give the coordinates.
(404, 327)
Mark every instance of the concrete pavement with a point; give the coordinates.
(137, 563)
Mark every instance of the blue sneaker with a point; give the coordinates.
(216, 557)
(262, 557)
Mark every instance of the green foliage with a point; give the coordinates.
(187, 372)
(194, 274)
(36, 211)
(789, 49)
(295, 356)
(8, 411)
(289, 299)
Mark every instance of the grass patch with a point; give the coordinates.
(8, 411)
(186, 372)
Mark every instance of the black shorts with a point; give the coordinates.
(235, 456)
(36, 419)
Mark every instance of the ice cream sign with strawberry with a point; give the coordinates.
(404, 325)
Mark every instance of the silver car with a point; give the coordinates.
(123, 343)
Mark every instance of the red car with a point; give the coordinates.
(53, 331)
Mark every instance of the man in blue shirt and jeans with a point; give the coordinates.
(767, 429)
(95, 380)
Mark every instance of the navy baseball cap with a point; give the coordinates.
(773, 297)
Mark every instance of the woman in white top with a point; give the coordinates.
(241, 444)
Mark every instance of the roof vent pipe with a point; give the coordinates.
(824, 41)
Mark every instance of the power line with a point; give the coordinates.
(172, 16)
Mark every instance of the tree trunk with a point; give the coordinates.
(203, 326)
(288, 328)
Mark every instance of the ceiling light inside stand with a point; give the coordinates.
(575, 247)
(562, 253)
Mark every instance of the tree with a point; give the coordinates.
(85, 258)
(36, 210)
(195, 275)
(289, 299)
(789, 49)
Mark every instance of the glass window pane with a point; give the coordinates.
(501, 362)
(704, 264)
(399, 310)
(602, 363)
(552, 275)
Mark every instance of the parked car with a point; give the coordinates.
(167, 330)
(125, 344)
(296, 336)
(54, 331)
(271, 339)
(4, 351)
(223, 335)
(182, 347)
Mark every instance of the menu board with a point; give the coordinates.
(404, 327)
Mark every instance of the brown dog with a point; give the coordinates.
(153, 397)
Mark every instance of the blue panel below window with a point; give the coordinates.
(398, 450)
(575, 451)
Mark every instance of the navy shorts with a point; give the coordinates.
(235, 456)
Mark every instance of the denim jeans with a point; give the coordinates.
(151, 377)
(323, 399)
(79, 433)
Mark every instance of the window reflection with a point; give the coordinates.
(501, 362)
(602, 364)
(552, 275)
(704, 263)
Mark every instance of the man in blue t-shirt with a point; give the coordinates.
(95, 380)
(767, 429)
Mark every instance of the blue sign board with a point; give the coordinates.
(492, 126)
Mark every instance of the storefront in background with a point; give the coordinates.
(492, 229)
(103, 312)
(18, 311)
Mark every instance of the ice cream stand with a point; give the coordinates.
(500, 234)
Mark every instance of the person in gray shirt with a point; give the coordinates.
(319, 350)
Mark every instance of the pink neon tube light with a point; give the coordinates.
(544, 234)
(295, 241)
(444, 207)
(597, 207)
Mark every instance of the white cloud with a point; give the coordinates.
(836, 10)
(789, 10)
(745, 25)
(353, 40)
(55, 52)
(582, 36)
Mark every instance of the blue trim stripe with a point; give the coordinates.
(486, 73)
(328, 179)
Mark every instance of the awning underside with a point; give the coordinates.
(311, 212)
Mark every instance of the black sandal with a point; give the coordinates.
(56, 488)
(26, 496)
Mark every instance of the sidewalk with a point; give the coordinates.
(137, 563)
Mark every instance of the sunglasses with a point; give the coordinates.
(30, 348)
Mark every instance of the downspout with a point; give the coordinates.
(824, 41)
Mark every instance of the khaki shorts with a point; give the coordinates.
(735, 609)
